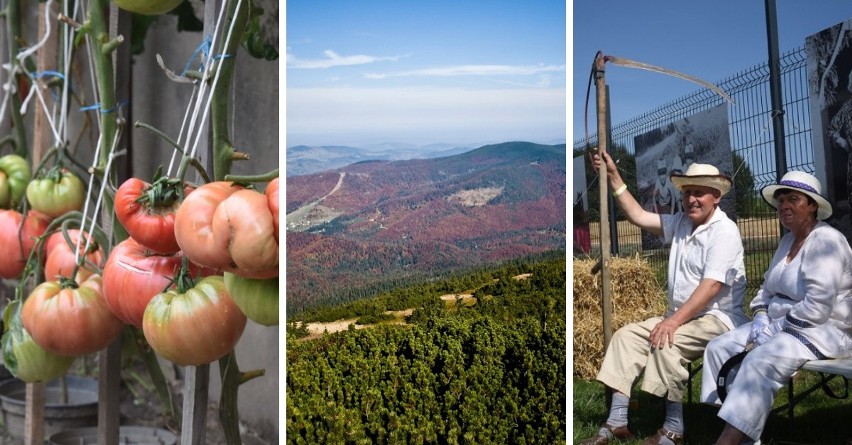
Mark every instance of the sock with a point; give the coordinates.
(674, 417)
(618, 410)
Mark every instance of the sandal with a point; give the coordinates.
(618, 433)
(662, 432)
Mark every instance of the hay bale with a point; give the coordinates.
(636, 295)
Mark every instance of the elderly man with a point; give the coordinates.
(706, 286)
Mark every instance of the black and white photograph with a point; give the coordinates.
(671, 149)
(830, 84)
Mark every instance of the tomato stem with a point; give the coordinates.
(183, 280)
(69, 283)
(163, 192)
(162, 136)
(186, 162)
(245, 376)
(265, 177)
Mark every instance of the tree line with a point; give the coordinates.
(493, 372)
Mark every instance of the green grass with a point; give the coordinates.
(818, 419)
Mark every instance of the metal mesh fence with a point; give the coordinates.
(752, 138)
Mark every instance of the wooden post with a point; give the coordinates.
(606, 306)
(196, 385)
(34, 414)
(42, 140)
(109, 359)
(109, 386)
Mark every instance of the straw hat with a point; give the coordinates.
(704, 175)
(800, 182)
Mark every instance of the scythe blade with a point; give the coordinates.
(645, 66)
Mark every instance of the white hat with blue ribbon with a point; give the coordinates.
(800, 182)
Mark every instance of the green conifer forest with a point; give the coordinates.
(490, 372)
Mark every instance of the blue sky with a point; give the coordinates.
(424, 72)
(710, 40)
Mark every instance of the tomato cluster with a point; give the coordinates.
(225, 226)
(219, 227)
(61, 319)
(166, 278)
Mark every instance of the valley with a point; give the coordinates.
(313, 214)
(360, 228)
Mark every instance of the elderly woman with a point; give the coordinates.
(802, 312)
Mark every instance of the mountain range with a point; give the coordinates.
(307, 159)
(378, 221)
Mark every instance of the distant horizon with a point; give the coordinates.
(423, 73)
(551, 141)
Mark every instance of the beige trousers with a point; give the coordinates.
(665, 373)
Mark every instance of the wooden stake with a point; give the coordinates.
(109, 359)
(42, 140)
(196, 385)
(603, 142)
(34, 414)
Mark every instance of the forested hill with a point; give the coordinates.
(375, 222)
(488, 372)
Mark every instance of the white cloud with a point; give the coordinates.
(371, 115)
(472, 70)
(333, 59)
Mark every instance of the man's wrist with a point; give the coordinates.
(618, 191)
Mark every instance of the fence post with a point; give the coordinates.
(775, 89)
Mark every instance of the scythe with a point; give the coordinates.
(598, 75)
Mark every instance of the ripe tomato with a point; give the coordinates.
(272, 195)
(24, 358)
(14, 176)
(18, 245)
(148, 7)
(193, 225)
(244, 221)
(148, 212)
(60, 256)
(133, 275)
(59, 192)
(69, 320)
(258, 299)
(195, 327)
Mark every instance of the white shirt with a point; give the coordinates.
(715, 251)
(813, 292)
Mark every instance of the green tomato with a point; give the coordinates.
(24, 358)
(15, 175)
(148, 7)
(258, 299)
(60, 192)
